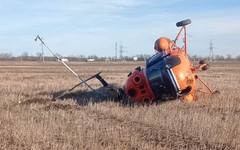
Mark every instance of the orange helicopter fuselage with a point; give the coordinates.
(184, 75)
(168, 74)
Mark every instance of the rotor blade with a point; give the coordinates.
(54, 54)
(59, 59)
(104, 83)
(84, 81)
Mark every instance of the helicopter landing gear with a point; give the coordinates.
(209, 89)
(201, 66)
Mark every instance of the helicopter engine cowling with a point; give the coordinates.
(137, 87)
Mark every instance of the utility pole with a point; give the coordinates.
(121, 51)
(211, 51)
(40, 38)
(115, 50)
(42, 52)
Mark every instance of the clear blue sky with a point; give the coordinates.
(86, 27)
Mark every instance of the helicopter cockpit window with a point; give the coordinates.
(172, 61)
(155, 76)
(160, 81)
(156, 58)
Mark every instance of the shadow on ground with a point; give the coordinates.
(86, 97)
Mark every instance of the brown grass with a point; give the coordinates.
(212, 122)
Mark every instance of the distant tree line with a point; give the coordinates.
(141, 57)
(228, 57)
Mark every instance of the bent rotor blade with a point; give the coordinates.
(104, 83)
(84, 81)
(60, 59)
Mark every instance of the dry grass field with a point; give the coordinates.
(29, 119)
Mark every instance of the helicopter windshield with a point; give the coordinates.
(159, 76)
(155, 76)
(156, 58)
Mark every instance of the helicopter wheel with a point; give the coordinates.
(206, 67)
(202, 62)
(183, 23)
(217, 92)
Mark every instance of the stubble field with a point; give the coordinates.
(29, 119)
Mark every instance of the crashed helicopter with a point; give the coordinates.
(169, 74)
